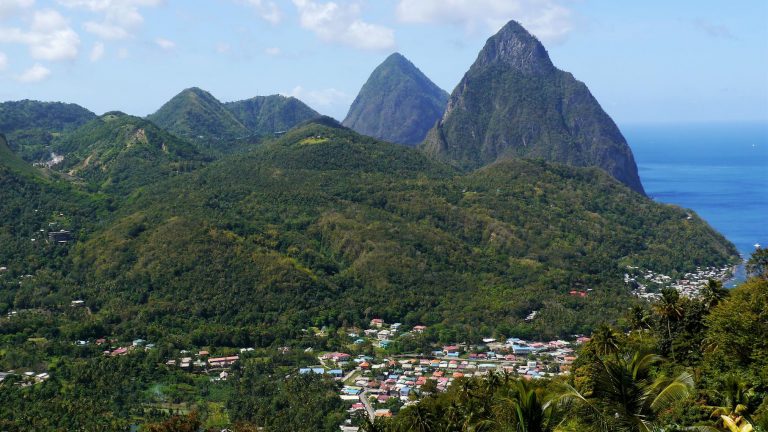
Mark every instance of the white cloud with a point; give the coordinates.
(165, 44)
(341, 23)
(273, 51)
(36, 73)
(97, 52)
(3, 61)
(48, 38)
(549, 20)
(11, 7)
(324, 98)
(120, 18)
(267, 10)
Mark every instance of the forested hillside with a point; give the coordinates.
(31, 126)
(329, 227)
(118, 153)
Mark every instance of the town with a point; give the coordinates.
(647, 284)
(379, 386)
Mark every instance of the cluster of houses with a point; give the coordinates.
(376, 386)
(202, 360)
(112, 351)
(382, 332)
(27, 378)
(647, 284)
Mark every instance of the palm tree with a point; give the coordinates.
(668, 307)
(532, 409)
(712, 293)
(638, 318)
(629, 398)
(734, 397)
(372, 425)
(605, 340)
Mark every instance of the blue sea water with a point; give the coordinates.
(718, 170)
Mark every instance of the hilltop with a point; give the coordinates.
(265, 115)
(398, 103)
(117, 152)
(514, 103)
(31, 126)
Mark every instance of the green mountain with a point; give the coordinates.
(264, 115)
(513, 102)
(118, 152)
(398, 103)
(10, 162)
(328, 227)
(30, 126)
(33, 204)
(196, 114)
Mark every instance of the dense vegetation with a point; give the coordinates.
(266, 115)
(31, 126)
(323, 227)
(218, 128)
(623, 383)
(327, 227)
(118, 153)
(514, 103)
(196, 114)
(33, 204)
(398, 103)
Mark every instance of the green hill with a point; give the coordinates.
(30, 126)
(11, 162)
(117, 153)
(32, 205)
(325, 226)
(398, 103)
(196, 114)
(513, 102)
(264, 115)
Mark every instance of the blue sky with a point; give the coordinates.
(646, 62)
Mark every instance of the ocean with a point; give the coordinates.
(718, 170)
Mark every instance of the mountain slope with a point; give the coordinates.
(398, 103)
(326, 227)
(513, 102)
(30, 126)
(33, 204)
(117, 153)
(264, 115)
(11, 162)
(195, 113)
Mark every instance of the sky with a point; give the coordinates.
(651, 61)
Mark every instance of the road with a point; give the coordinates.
(364, 399)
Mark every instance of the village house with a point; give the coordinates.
(222, 361)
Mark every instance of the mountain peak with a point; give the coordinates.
(270, 114)
(514, 103)
(398, 103)
(195, 112)
(515, 47)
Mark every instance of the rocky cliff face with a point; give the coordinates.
(398, 103)
(513, 102)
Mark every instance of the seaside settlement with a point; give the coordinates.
(647, 284)
(380, 382)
